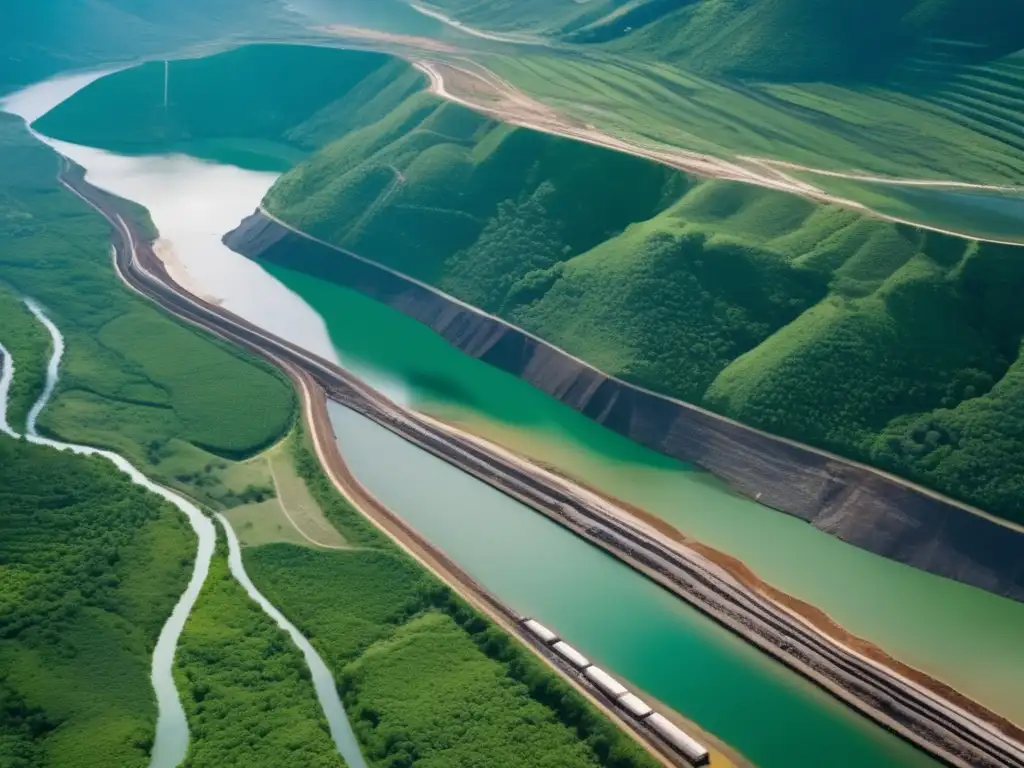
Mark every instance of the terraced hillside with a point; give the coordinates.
(914, 89)
(789, 40)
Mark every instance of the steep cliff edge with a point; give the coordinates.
(872, 511)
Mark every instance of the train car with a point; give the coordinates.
(679, 741)
(605, 682)
(541, 632)
(637, 707)
(571, 655)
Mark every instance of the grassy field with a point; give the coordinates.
(245, 687)
(90, 567)
(291, 515)
(898, 129)
(410, 657)
(178, 404)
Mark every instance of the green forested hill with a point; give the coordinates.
(257, 92)
(876, 340)
(880, 341)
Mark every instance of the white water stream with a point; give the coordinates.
(171, 743)
(6, 377)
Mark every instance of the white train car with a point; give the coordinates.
(541, 632)
(605, 682)
(571, 655)
(678, 740)
(635, 706)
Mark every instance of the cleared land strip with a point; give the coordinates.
(953, 734)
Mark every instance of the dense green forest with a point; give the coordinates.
(90, 567)
(877, 340)
(246, 688)
(425, 678)
(175, 402)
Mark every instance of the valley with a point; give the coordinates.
(429, 321)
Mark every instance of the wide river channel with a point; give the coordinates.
(774, 718)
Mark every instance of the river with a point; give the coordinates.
(963, 635)
(170, 746)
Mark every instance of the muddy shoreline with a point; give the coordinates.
(869, 509)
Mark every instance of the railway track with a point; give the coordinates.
(939, 727)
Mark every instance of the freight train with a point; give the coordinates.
(674, 737)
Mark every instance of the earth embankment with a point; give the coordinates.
(862, 506)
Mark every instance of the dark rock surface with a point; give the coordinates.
(867, 509)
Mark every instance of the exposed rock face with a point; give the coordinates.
(866, 509)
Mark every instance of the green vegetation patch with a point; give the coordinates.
(426, 679)
(28, 344)
(428, 696)
(245, 687)
(91, 566)
(175, 402)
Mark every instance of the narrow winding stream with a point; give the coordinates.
(6, 377)
(172, 736)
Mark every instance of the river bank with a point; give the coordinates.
(862, 506)
(171, 743)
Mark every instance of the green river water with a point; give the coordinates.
(960, 634)
(639, 631)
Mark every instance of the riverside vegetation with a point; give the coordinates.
(90, 567)
(246, 688)
(176, 403)
(28, 343)
(426, 680)
(879, 341)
